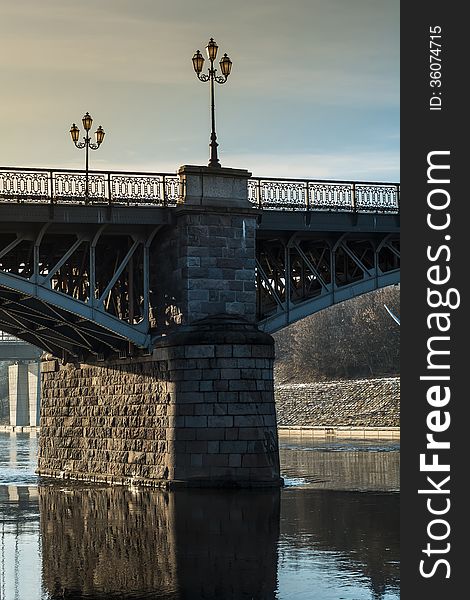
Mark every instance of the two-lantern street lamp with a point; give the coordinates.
(225, 68)
(198, 63)
(87, 143)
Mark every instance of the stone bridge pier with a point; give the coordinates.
(199, 409)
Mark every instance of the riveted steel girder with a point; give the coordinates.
(302, 273)
(76, 291)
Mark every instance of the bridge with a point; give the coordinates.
(169, 284)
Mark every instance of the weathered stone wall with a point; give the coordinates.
(356, 403)
(217, 262)
(199, 411)
(204, 264)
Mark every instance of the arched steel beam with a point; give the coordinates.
(309, 307)
(91, 320)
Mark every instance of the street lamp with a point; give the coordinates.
(87, 143)
(225, 67)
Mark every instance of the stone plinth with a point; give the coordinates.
(209, 187)
(198, 412)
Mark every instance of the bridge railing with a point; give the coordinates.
(162, 189)
(104, 187)
(324, 195)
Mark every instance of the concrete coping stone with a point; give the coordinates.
(211, 187)
(213, 171)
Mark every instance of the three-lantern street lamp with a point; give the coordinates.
(87, 143)
(225, 68)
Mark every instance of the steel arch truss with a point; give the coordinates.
(77, 293)
(303, 274)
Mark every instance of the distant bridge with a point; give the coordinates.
(23, 380)
(11, 348)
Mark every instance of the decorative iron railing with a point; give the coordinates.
(324, 195)
(162, 189)
(65, 186)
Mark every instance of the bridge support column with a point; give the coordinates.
(18, 394)
(34, 392)
(24, 393)
(200, 410)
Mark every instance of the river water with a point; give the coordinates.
(332, 533)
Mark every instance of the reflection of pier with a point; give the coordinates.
(19, 504)
(23, 380)
(19, 541)
(111, 543)
(114, 542)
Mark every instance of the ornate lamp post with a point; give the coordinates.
(87, 143)
(225, 67)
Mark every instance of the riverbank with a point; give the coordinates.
(285, 433)
(340, 407)
(360, 408)
(300, 433)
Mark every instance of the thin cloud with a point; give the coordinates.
(307, 75)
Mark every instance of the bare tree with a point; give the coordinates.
(357, 338)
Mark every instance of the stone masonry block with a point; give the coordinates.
(230, 374)
(236, 308)
(231, 434)
(239, 447)
(242, 351)
(213, 447)
(249, 421)
(199, 421)
(223, 351)
(221, 385)
(207, 351)
(212, 434)
(220, 421)
(205, 408)
(251, 433)
(219, 409)
(235, 460)
(242, 385)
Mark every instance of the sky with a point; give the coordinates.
(314, 88)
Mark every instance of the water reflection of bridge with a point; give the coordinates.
(205, 544)
(350, 525)
(117, 542)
